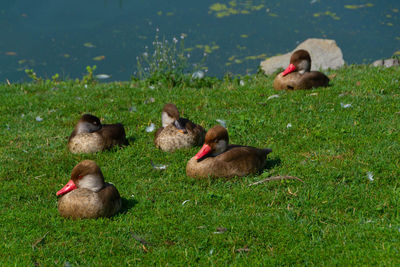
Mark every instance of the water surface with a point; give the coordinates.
(53, 36)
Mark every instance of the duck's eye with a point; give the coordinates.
(95, 122)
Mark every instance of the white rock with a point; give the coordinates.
(325, 54)
(378, 63)
(390, 62)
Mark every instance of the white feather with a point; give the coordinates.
(150, 128)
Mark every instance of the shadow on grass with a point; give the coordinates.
(131, 140)
(127, 204)
(271, 163)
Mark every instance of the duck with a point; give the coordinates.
(87, 195)
(298, 76)
(217, 158)
(90, 136)
(177, 132)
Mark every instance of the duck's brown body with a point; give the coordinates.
(219, 159)
(297, 76)
(235, 161)
(177, 132)
(297, 81)
(90, 138)
(84, 203)
(170, 138)
(86, 195)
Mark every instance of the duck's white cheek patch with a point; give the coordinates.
(220, 147)
(303, 66)
(91, 182)
(166, 119)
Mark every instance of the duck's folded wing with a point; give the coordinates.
(157, 133)
(194, 129)
(245, 153)
(111, 199)
(114, 134)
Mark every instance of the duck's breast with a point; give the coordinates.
(86, 143)
(83, 203)
(287, 82)
(80, 203)
(170, 139)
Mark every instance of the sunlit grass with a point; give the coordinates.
(337, 216)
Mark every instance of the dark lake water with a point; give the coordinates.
(54, 36)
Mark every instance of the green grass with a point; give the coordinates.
(337, 216)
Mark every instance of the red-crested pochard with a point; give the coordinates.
(219, 159)
(298, 76)
(177, 132)
(90, 136)
(86, 195)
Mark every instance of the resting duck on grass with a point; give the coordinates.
(86, 195)
(90, 136)
(177, 132)
(298, 76)
(219, 159)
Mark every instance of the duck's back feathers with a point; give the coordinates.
(113, 134)
(313, 79)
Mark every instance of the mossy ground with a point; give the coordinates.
(337, 216)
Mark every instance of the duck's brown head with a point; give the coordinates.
(170, 115)
(300, 61)
(216, 142)
(86, 174)
(88, 124)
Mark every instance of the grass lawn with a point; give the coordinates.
(337, 216)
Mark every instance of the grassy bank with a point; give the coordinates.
(337, 216)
